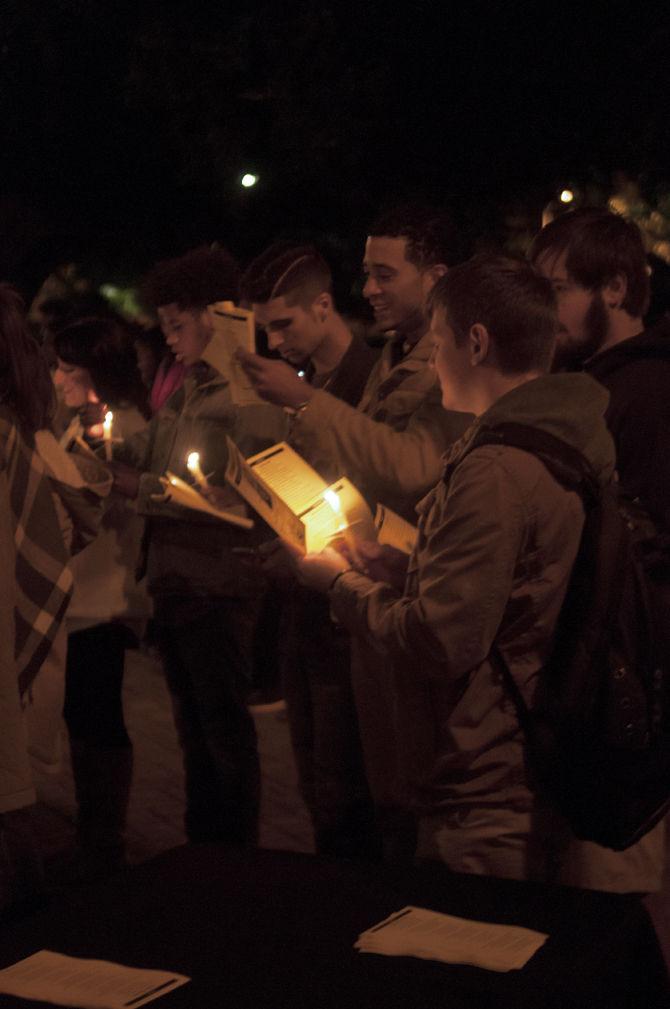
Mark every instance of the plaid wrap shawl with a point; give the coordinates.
(43, 577)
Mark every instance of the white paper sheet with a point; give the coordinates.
(86, 984)
(415, 931)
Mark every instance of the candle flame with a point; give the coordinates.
(193, 461)
(109, 417)
(333, 500)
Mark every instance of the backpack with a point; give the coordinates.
(598, 734)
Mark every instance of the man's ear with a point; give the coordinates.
(615, 290)
(322, 306)
(431, 275)
(479, 343)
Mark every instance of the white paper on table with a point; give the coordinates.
(415, 931)
(86, 984)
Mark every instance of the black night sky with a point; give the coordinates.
(127, 126)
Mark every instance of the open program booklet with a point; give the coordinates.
(233, 327)
(302, 508)
(179, 492)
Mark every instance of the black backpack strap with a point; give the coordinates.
(563, 460)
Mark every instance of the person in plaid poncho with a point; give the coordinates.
(36, 584)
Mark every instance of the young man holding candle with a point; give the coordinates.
(498, 535)
(290, 290)
(389, 445)
(206, 597)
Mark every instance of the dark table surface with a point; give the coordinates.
(273, 929)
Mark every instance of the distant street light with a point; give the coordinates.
(567, 196)
(248, 180)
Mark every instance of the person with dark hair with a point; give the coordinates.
(97, 372)
(597, 263)
(159, 370)
(206, 595)
(289, 288)
(36, 584)
(498, 536)
(389, 445)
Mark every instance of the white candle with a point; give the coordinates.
(333, 500)
(193, 463)
(107, 434)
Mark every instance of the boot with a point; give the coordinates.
(102, 778)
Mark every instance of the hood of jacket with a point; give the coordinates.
(652, 345)
(568, 406)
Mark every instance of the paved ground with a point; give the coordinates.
(156, 805)
(156, 808)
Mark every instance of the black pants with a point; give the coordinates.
(207, 659)
(93, 709)
(324, 728)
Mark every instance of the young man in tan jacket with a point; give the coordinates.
(497, 541)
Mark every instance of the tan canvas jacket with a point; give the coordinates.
(492, 563)
(391, 445)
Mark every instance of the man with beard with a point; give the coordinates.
(597, 264)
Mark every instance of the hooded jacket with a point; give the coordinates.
(492, 562)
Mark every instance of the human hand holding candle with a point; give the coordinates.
(193, 464)
(107, 434)
(344, 528)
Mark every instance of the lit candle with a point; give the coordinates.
(107, 434)
(193, 463)
(333, 500)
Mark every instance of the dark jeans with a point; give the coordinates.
(206, 652)
(93, 709)
(324, 728)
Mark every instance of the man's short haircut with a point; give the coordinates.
(517, 306)
(431, 235)
(297, 273)
(598, 245)
(192, 281)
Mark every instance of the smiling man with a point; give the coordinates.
(390, 444)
